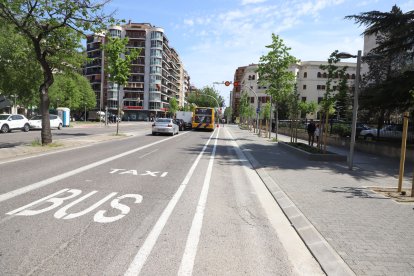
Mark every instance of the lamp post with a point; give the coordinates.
(355, 107)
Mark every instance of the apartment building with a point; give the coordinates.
(157, 75)
(310, 81)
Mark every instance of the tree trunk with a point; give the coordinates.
(277, 120)
(46, 134)
(326, 132)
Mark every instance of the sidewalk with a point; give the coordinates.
(334, 211)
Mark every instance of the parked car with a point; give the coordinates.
(8, 122)
(55, 122)
(389, 131)
(180, 123)
(165, 125)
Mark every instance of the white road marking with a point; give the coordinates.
(297, 252)
(164, 174)
(40, 184)
(190, 252)
(145, 250)
(142, 156)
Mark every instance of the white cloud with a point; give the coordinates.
(223, 41)
(247, 2)
(189, 22)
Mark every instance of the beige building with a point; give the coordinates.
(310, 81)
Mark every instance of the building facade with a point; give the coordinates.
(157, 75)
(310, 81)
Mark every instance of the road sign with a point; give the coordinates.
(227, 83)
(258, 110)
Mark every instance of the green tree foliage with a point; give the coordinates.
(273, 72)
(206, 97)
(395, 30)
(173, 106)
(73, 91)
(330, 97)
(20, 74)
(118, 62)
(54, 29)
(244, 107)
(386, 88)
(334, 73)
(228, 113)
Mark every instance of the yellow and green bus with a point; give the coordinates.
(203, 118)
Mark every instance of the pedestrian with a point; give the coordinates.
(311, 132)
(317, 134)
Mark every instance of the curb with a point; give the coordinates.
(329, 260)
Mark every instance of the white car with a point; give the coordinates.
(389, 131)
(165, 125)
(8, 122)
(36, 122)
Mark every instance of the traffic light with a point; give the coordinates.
(236, 84)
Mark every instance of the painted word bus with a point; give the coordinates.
(203, 118)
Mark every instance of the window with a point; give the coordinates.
(251, 99)
(318, 87)
(304, 87)
(319, 100)
(353, 76)
(319, 75)
(305, 75)
(304, 99)
(324, 75)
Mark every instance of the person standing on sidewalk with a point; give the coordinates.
(311, 132)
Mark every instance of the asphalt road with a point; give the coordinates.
(150, 205)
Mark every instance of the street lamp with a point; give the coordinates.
(355, 108)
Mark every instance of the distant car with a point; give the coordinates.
(8, 122)
(55, 122)
(165, 125)
(360, 127)
(389, 131)
(180, 123)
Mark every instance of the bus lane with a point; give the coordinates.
(88, 219)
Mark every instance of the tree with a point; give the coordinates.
(395, 28)
(273, 72)
(19, 73)
(118, 64)
(386, 87)
(330, 97)
(244, 108)
(54, 29)
(228, 113)
(199, 97)
(73, 91)
(173, 106)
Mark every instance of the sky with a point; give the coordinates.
(215, 37)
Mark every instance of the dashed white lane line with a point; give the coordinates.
(145, 250)
(190, 252)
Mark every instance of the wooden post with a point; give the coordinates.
(403, 151)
